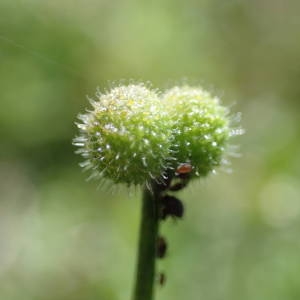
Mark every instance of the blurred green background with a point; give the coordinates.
(64, 239)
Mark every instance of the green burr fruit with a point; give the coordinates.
(126, 136)
(201, 128)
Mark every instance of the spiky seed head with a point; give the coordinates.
(126, 136)
(201, 127)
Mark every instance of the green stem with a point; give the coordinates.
(147, 244)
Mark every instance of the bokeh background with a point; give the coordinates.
(64, 239)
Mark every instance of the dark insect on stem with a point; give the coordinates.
(166, 180)
(171, 206)
(179, 185)
(161, 278)
(161, 247)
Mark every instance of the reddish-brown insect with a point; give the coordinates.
(184, 168)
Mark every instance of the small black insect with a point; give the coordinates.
(178, 185)
(161, 278)
(161, 247)
(171, 206)
(166, 179)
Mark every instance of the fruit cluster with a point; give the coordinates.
(134, 134)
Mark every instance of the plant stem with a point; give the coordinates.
(147, 244)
